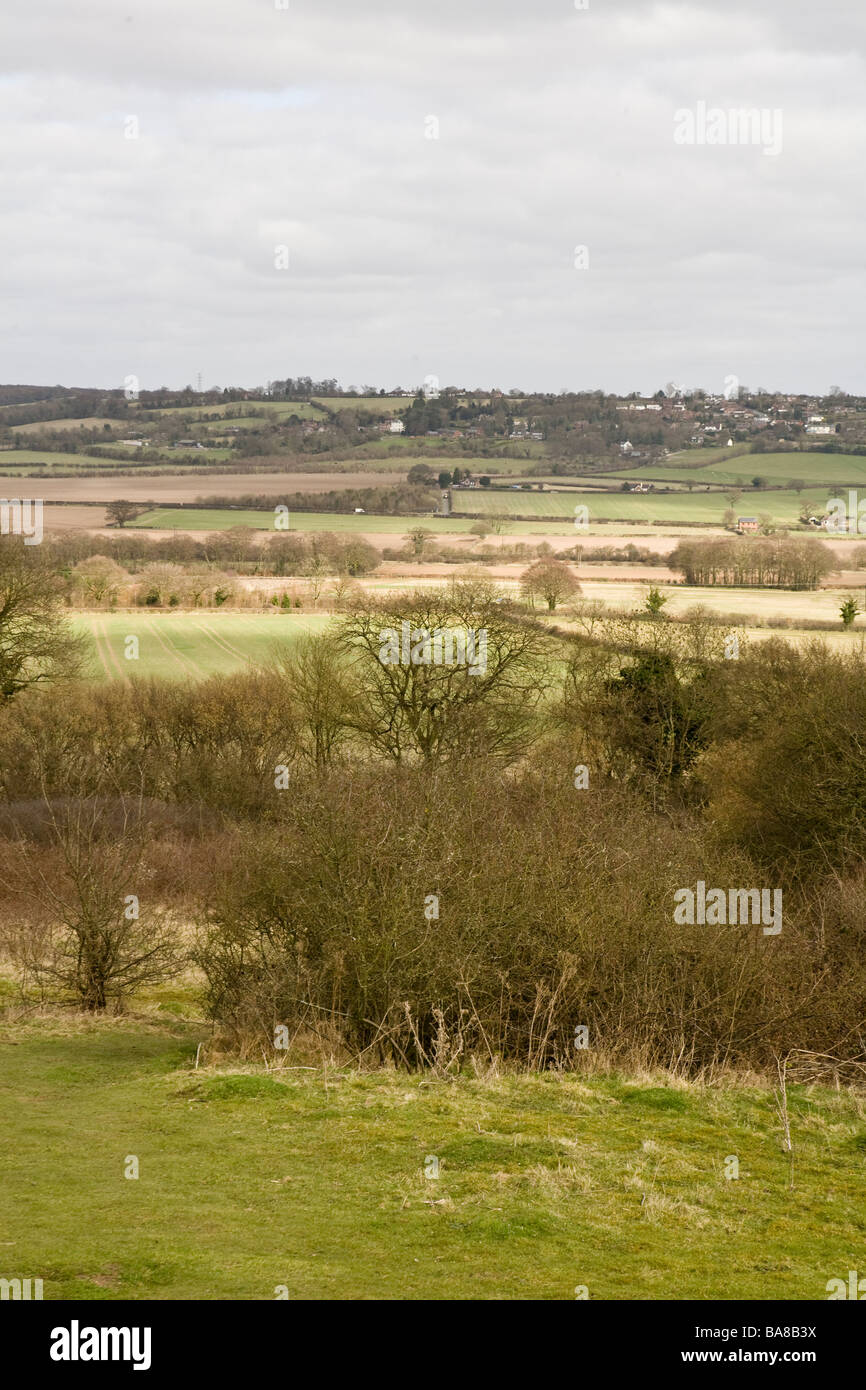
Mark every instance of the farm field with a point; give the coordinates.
(783, 507)
(316, 1179)
(794, 606)
(90, 516)
(751, 609)
(90, 422)
(191, 486)
(134, 460)
(302, 409)
(813, 469)
(241, 422)
(192, 645)
(691, 458)
(17, 459)
(400, 454)
(377, 404)
(217, 519)
(217, 452)
(203, 519)
(598, 482)
(189, 645)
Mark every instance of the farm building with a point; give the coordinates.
(748, 525)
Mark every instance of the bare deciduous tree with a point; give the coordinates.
(104, 940)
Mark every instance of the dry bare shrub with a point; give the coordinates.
(555, 909)
(96, 931)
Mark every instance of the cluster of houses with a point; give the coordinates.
(817, 424)
(744, 418)
(750, 525)
(715, 418)
(714, 431)
(520, 429)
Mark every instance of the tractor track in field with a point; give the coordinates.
(121, 674)
(222, 642)
(186, 663)
(97, 642)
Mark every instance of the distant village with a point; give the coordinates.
(562, 434)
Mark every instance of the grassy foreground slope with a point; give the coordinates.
(315, 1180)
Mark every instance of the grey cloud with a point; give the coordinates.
(410, 255)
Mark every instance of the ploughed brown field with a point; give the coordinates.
(182, 487)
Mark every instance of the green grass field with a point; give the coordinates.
(210, 451)
(90, 422)
(316, 1181)
(400, 453)
(440, 449)
(819, 470)
(676, 509)
(682, 507)
(28, 458)
(302, 409)
(188, 645)
(383, 404)
(216, 519)
(242, 422)
(192, 645)
(691, 458)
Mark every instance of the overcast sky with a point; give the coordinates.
(157, 158)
